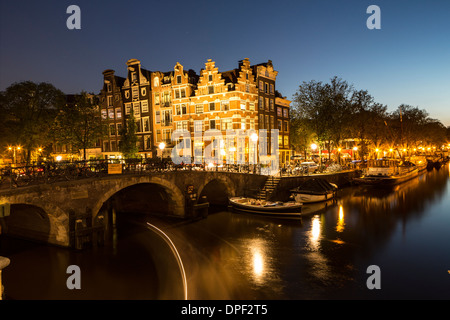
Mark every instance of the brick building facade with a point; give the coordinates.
(244, 98)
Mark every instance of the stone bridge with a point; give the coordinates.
(61, 213)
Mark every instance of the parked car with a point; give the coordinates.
(310, 166)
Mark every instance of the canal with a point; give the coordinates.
(404, 231)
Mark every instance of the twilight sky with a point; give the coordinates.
(406, 61)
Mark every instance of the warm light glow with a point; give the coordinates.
(254, 137)
(18, 148)
(232, 149)
(339, 149)
(340, 223)
(377, 150)
(355, 148)
(391, 150)
(162, 145)
(210, 165)
(314, 146)
(9, 148)
(315, 232)
(258, 264)
(58, 158)
(404, 150)
(40, 149)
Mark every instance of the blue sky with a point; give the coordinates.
(406, 61)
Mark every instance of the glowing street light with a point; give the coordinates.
(162, 145)
(254, 138)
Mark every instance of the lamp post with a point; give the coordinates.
(254, 138)
(162, 145)
(355, 149)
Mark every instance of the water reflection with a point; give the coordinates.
(315, 233)
(340, 224)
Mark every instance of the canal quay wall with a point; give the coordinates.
(286, 183)
(76, 213)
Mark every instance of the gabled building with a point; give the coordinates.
(244, 98)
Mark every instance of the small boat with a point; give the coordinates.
(385, 172)
(277, 209)
(314, 190)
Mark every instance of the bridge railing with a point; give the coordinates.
(50, 172)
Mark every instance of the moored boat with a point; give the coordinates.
(273, 208)
(314, 190)
(387, 172)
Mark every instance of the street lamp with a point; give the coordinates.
(162, 145)
(355, 148)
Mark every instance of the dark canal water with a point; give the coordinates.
(404, 231)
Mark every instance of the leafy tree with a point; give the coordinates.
(28, 110)
(78, 124)
(128, 144)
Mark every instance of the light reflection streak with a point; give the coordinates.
(340, 223)
(177, 256)
(315, 232)
(258, 257)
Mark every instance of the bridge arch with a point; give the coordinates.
(223, 183)
(175, 194)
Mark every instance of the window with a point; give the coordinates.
(246, 76)
(127, 108)
(271, 105)
(106, 146)
(111, 113)
(156, 82)
(251, 106)
(247, 87)
(185, 125)
(199, 108)
(210, 89)
(147, 142)
(252, 124)
(167, 135)
(286, 113)
(108, 87)
(225, 105)
(110, 101)
(133, 76)
(279, 125)
(261, 86)
(177, 94)
(243, 124)
(119, 129)
(166, 99)
(138, 125)
(212, 124)
(227, 124)
(146, 124)
(183, 109)
(286, 127)
(166, 118)
(144, 105)
(136, 109)
(271, 88)
(179, 125)
(279, 112)
(183, 93)
(286, 141)
(266, 88)
(267, 104)
(177, 110)
(135, 92)
(104, 114)
(212, 106)
(198, 126)
(266, 123)
(178, 79)
(280, 140)
(210, 78)
(118, 113)
(243, 105)
(157, 117)
(272, 124)
(112, 129)
(157, 98)
(261, 121)
(261, 102)
(113, 146)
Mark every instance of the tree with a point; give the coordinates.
(128, 144)
(78, 123)
(325, 110)
(367, 119)
(28, 111)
